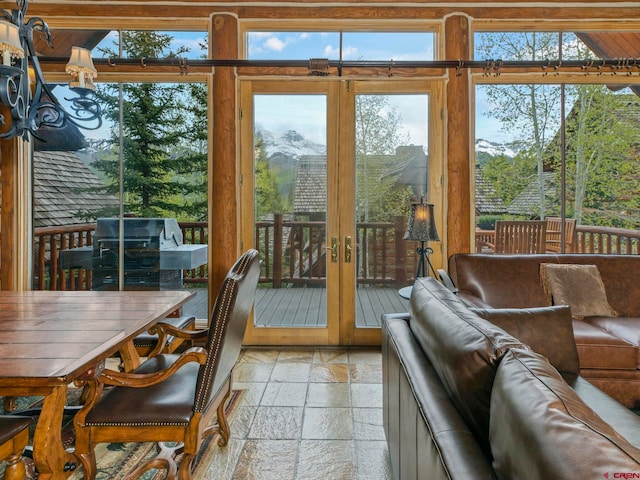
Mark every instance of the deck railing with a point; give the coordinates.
(294, 253)
(608, 240)
(603, 240)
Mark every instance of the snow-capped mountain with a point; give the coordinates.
(494, 149)
(290, 144)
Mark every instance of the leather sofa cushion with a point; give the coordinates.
(626, 328)
(513, 281)
(600, 349)
(463, 348)
(622, 420)
(547, 330)
(531, 404)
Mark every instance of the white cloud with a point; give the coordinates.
(349, 52)
(275, 44)
(331, 52)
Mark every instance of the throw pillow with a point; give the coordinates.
(579, 286)
(547, 330)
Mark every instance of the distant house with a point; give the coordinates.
(527, 202)
(487, 200)
(310, 194)
(64, 187)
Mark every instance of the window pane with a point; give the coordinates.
(355, 45)
(534, 46)
(519, 168)
(293, 45)
(191, 45)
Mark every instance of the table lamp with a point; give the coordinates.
(422, 227)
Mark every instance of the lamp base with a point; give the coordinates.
(424, 253)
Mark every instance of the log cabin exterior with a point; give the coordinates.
(453, 22)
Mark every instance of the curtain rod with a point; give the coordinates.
(623, 65)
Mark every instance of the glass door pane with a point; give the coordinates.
(391, 154)
(290, 209)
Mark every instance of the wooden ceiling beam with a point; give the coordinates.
(196, 14)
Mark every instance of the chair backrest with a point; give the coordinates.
(520, 236)
(554, 231)
(226, 330)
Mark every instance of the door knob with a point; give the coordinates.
(347, 249)
(333, 249)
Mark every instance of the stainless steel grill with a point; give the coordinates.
(153, 254)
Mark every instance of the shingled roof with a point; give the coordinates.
(63, 187)
(487, 200)
(311, 185)
(527, 202)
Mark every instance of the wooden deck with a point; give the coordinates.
(307, 307)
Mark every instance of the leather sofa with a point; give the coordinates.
(608, 347)
(465, 399)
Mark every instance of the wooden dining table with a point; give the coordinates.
(52, 339)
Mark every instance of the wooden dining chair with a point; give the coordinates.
(554, 234)
(170, 397)
(520, 236)
(14, 436)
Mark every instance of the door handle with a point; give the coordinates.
(347, 249)
(333, 249)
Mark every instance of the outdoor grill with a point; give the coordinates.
(153, 254)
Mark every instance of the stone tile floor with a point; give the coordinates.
(306, 414)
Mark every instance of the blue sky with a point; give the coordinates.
(355, 46)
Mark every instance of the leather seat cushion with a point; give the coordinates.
(601, 349)
(530, 404)
(10, 426)
(623, 420)
(626, 328)
(169, 402)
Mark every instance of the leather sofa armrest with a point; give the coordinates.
(391, 316)
(472, 301)
(447, 281)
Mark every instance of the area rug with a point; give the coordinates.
(116, 460)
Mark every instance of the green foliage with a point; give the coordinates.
(487, 222)
(510, 176)
(378, 134)
(267, 193)
(164, 138)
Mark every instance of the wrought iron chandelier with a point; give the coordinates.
(28, 102)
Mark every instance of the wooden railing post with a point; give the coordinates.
(400, 250)
(277, 250)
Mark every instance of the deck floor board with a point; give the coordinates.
(307, 307)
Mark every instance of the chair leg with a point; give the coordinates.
(223, 424)
(185, 466)
(10, 404)
(165, 460)
(15, 469)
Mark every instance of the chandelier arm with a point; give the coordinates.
(32, 103)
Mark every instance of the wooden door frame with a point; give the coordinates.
(330, 334)
(350, 334)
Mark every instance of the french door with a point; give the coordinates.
(327, 171)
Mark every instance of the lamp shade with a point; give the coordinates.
(10, 44)
(81, 66)
(421, 225)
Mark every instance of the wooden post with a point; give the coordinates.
(16, 221)
(457, 46)
(400, 250)
(277, 250)
(223, 197)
